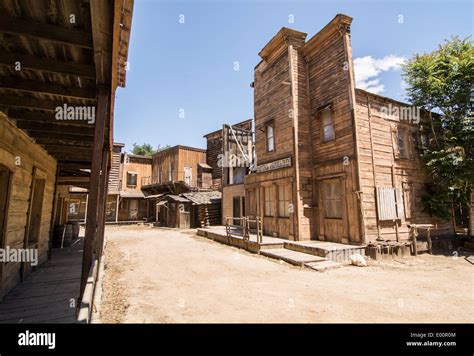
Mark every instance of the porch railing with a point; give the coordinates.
(244, 227)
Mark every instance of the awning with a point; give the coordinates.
(154, 196)
(132, 194)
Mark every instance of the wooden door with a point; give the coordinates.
(332, 224)
(188, 175)
(133, 209)
(33, 230)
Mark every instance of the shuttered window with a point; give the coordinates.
(270, 139)
(131, 179)
(390, 203)
(283, 200)
(332, 199)
(269, 201)
(327, 124)
(402, 143)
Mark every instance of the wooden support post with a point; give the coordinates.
(94, 191)
(430, 244)
(102, 202)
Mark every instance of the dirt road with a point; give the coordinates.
(158, 275)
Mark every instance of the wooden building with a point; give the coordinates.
(125, 200)
(60, 65)
(334, 163)
(179, 164)
(230, 153)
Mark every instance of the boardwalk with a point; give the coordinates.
(48, 295)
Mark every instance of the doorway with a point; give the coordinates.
(33, 231)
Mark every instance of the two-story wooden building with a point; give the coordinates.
(125, 200)
(334, 163)
(230, 153)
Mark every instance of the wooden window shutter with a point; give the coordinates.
(400, 206)
(386, 203)
(396, 151)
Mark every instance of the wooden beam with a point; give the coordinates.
(28, 102)
(63, 142)
(34, 86)
(68, 149)
(56, 127)
(71, 156)
(65, 165)
(59, 136)
(45, 32)
(73, 179)
(47, 65)
(45, 117)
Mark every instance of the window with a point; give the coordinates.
(332, 199)
(327, 124)
(402, 144)
(269, 200)
(170, 171)
(284, 200)
(131, 179)
(390, 204)
(270, 139)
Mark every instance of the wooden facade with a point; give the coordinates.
(322, 156)
(178, 164)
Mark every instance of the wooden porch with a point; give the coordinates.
(48, 294)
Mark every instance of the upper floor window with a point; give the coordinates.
(402, 143)
(270, 139)
(327, 124)
(131, 179)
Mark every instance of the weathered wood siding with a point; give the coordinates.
(179, 157)
(20, 155)
(142, 166)
(381, 166)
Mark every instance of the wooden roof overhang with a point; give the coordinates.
(60, 52)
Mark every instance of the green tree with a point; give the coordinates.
(441, 82)
(146, 149)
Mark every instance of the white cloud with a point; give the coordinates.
(367, 69)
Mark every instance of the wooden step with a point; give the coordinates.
(323, 265)
(329, 250)
(293, 257)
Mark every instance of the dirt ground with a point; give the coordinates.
(156, 275)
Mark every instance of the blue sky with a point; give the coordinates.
(189, 67)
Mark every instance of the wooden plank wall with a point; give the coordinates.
(15, 144)
(189, 158)
(136, 164)
(180, 156)
(378, 152)
(329, 85)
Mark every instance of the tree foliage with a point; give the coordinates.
(146, 149)
(441, 82)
